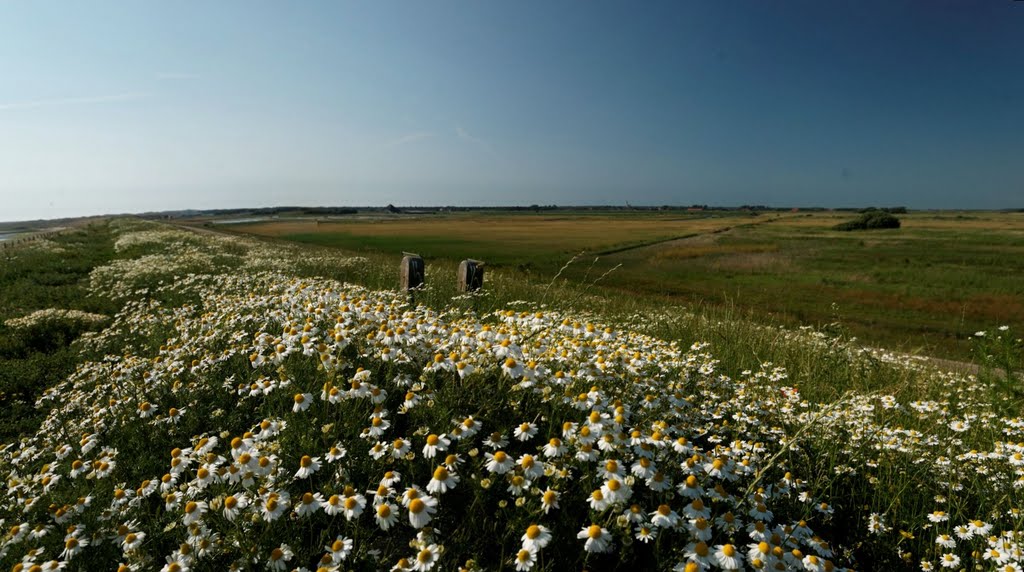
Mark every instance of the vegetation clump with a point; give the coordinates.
(870, 220)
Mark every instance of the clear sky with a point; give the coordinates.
(134, 106)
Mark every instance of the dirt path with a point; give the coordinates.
(691, 237)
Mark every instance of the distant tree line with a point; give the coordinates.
(421, 210)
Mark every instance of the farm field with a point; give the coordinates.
(231, 403)
(924, 288)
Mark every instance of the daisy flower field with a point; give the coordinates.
(240, 412)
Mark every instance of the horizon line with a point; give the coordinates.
(531, 207)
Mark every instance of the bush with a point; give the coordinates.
(890, 210)
(870, 220)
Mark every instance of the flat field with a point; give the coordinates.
(926, 287)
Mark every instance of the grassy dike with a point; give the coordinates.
(199, 355)
(47, 274)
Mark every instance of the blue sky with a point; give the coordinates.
(134, 106)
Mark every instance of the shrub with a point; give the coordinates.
(870, 220)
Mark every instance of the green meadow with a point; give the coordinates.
(925, 288)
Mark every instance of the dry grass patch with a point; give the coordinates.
(584, 233)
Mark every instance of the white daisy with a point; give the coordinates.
(598, 538)
(421, 510)
(536, 537)
(307, 466)
(386, 514)
(499, 462)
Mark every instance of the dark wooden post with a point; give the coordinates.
(471, 275)
(412, 271)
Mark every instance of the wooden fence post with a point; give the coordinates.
(412, 271)
(471, 275)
